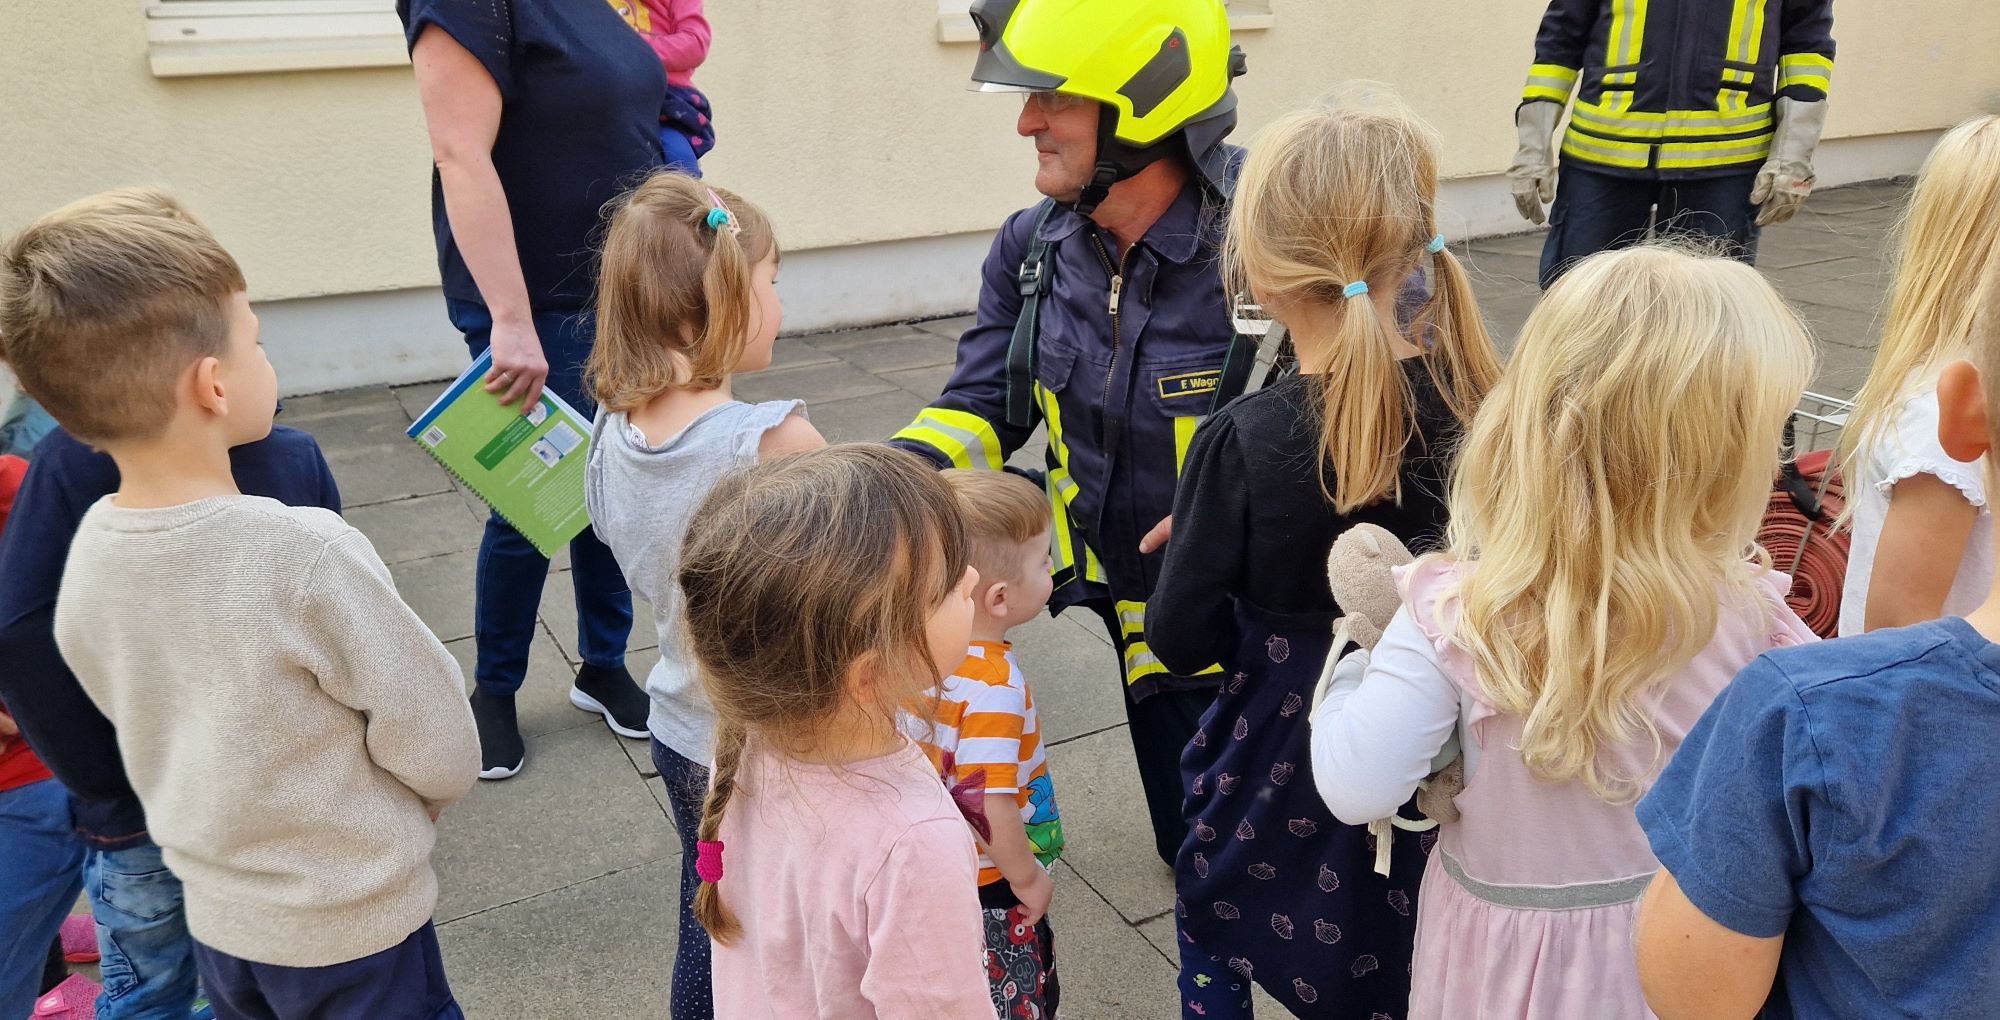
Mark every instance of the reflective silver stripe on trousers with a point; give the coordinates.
(1549, 897)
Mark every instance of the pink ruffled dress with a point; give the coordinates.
(1528, 904)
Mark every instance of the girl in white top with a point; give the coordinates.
(1922, 533)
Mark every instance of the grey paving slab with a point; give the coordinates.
(385, 467)
(1498, 272)
(915, 349)
(1855, 284)
(797, 352)
(828, 382)
(842, 340)
(1109, 970)
(1110, 842)
(1527, 244)
(869, 419)
(950, 328)
(440, 590)
(1839, 327)
(601, 949)
(576, 811)
(1073, 676)
(924, 382)
(559, 615)
(409, 529)
(542, 704)
(416, 398)
(639, 751)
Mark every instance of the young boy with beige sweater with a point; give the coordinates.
(290, 726)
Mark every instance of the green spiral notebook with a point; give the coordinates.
(527, 467)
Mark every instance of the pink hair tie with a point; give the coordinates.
(708, 861)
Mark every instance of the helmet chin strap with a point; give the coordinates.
(1098, 189)
(1116, 161)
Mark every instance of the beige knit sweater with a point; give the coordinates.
(286, 720)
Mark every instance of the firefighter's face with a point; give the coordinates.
(1065, 132)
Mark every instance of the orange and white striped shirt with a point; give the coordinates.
(986, 720)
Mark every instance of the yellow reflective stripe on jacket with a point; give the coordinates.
(1639, 125)
(1183, 435)
(1603, 151)
(1746, 30)
(1552, 82)
(1737, 76)
(1063, 491)
(1810, 70)
(1622, 78)
(1694, 155)
(959, 436)
(1140, 662)
(1627, 36)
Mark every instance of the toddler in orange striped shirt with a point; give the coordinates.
(987, 743)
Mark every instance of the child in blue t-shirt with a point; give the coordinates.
(1825, 830)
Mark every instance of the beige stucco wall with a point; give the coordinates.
(847, 121)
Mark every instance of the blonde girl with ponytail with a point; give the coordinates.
(1922, 532)
(827, 596)
(1602, 585)
(686, 298)
(1335, 215)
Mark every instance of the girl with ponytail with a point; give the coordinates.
(1335, 212)
(827, 596)
(686, 298)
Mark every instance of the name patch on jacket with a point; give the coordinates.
(1190, 384)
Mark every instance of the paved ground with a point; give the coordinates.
(558, 884)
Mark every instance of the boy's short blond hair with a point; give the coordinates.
(105, 301)
(1002, 511)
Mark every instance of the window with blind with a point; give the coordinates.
(198, 37)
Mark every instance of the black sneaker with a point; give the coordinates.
(501, 752)
(611, 693)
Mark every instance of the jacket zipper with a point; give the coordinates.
(1117, 274)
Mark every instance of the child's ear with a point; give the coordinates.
(1963, 427)
(994, 599)
(209, 392)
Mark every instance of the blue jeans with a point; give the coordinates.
(41, 868)
(1596, 212)
(679, 152)
(148, 965)
(687, 788)
(511, 572)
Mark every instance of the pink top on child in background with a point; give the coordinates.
(1529, 900)
(856, 887)
(676, 30)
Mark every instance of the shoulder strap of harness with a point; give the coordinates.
(1033, 280)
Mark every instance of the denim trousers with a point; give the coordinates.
(148, 956)
(511, 571)
(687, 788)
(1596, 212)
(41, 869)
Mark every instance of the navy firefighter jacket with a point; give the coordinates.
(1130, 352)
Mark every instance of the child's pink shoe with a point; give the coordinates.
(74, 999)
(79, 939)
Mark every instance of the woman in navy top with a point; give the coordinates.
(540, 111)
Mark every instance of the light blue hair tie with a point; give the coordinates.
(1355, 289)
(1436, 245)
(718, 218)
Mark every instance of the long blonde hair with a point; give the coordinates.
(674, 301)
(1610, 490)
(1949, 236)
(779, 614)
(1330, 196)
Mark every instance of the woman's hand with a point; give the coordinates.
(519, 369)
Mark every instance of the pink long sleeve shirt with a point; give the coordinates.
(856, 887)
(679, 33)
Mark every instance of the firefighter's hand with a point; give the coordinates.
(1786, 179)
(1533, 173)
(1157, 538)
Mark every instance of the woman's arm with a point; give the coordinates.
(1372, 743)
(1923, 540)
(1691, 968)
(462, 110)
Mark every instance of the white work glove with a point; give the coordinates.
(1533, 174)
(1787, 177)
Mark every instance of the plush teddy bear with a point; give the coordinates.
(1360, 570)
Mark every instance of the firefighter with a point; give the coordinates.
(1709, 110)
(1103, 315)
